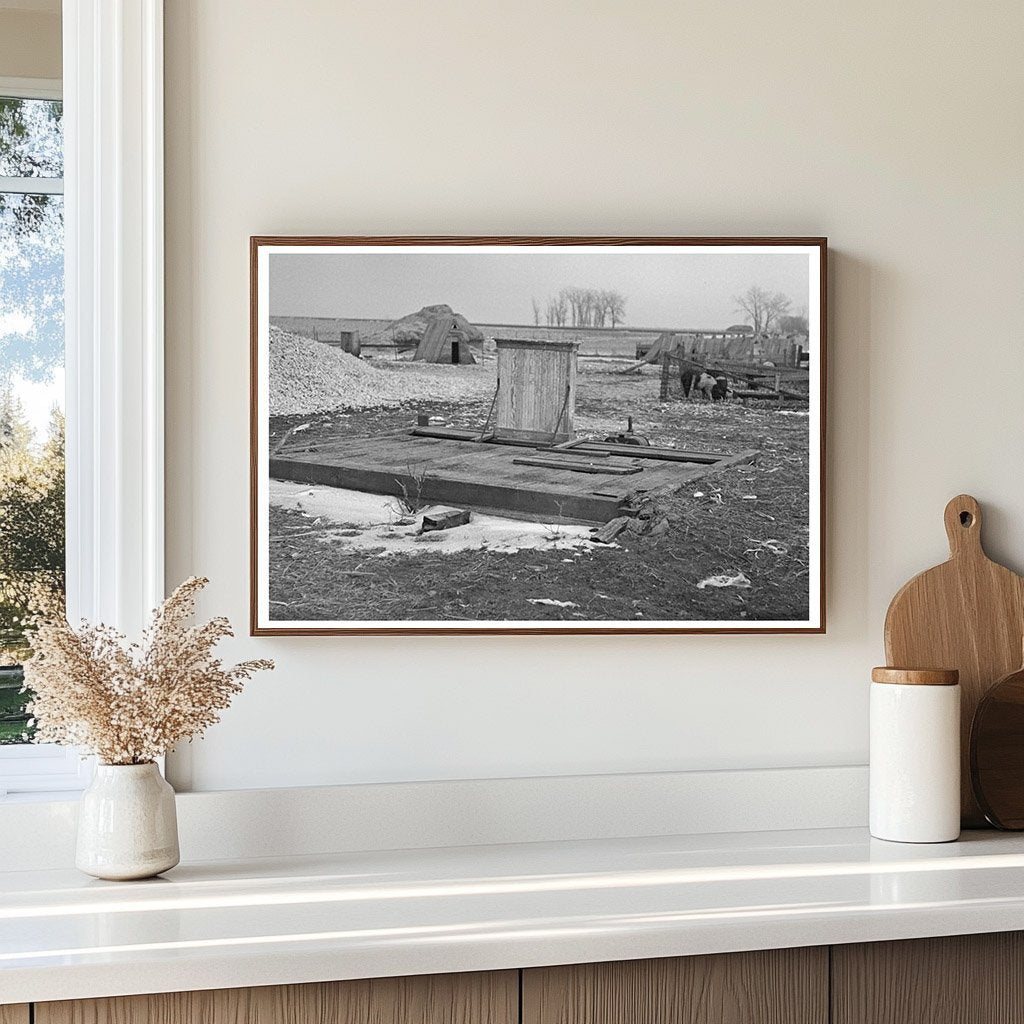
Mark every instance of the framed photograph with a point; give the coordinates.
(537, 435)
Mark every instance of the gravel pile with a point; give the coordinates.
(308, 376)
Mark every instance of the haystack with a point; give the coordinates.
(440, 334)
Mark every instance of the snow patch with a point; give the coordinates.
(375, 524)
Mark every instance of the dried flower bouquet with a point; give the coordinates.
(129, 703)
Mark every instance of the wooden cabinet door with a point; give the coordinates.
(14, 1014)
(778, 986)
(483, 998)
(961, 979)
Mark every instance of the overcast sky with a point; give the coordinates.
(673, 290)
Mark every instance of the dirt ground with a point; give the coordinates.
(749, 523)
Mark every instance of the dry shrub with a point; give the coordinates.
(129, 703)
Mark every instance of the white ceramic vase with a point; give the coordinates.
(127, 824)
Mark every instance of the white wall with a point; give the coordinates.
(895, 129)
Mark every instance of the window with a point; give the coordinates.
(32, 531)
(111, 204)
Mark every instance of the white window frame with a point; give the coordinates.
(114, 265)
(31, 89)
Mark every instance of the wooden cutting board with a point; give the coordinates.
(967, 614)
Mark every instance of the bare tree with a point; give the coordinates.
(536, 312)
(613, 307)
(555, 312)
(574, 300)
(571, 298)
(583, 307)
(763, 308)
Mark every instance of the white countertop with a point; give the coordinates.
(297, 919)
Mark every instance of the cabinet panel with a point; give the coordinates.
(14, 1014)
(483, 998)
(962, 979)
(778, 986)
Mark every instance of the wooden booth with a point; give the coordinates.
(536, 390)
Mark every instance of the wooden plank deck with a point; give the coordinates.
(487, 475)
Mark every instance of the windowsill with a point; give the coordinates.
(31, 773)
(388, 913)
(51, 796)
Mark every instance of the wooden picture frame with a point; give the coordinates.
(327, 574)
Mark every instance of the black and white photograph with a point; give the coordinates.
(537, 435)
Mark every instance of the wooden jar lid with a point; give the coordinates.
(916, 676)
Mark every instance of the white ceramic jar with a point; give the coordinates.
(915, 755)
(127, 823)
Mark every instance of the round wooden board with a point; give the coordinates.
(997, 752)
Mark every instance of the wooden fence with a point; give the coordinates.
(747, 381)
